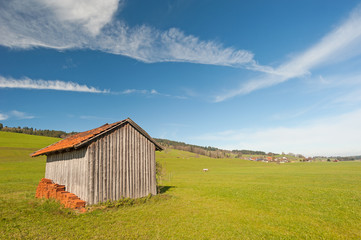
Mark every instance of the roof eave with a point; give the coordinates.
(55, 151)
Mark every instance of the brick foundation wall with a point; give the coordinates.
(48, 189)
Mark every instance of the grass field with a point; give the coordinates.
(236, 199)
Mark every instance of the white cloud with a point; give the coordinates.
(328, 136)
(27, 83)
(15, 114)
(83, 24)
(3, 116)
(340, 44)
(20, 115)
(92, 14)
(130, 91)
(153, 91)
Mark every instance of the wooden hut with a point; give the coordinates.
(110, 162)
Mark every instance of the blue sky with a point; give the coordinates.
(280, 76)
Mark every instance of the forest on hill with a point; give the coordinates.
(34, 131)
(209, 151)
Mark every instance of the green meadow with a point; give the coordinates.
(235, 199)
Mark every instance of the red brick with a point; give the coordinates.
(48, 189)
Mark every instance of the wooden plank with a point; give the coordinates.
(135, 163)
(143, 167)
(129, 170)
(101, 170)
(96, 173)
(151, 169)
(120, 156)
(119, 160)
(126, 158)
(130, 158)
(110, 166)
(91, 173)
(113, 169)
(105, 185)
(141, 171)
(115, 165)
(146, 168)
(98, 158)
(124, 182)
(122, 192)
(110, 185)
(136, 168)
(150, 166)
(114, 180)
(107, 167)
(139, 166)
(134, 159)
(123, 139)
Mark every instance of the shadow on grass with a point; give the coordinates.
(164, 189)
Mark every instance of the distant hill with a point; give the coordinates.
(38, 132)
(208, 151)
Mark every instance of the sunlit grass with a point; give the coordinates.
(235, 199)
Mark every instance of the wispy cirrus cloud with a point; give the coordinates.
(147, 92)
(91, 25)
(58, 85)
(140, 91)
(27, 83)
(341, 44)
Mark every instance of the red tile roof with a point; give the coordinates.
(82, 138)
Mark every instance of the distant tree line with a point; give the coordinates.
(350, 158)
(250, 152)
(207, 151)
(34, 131)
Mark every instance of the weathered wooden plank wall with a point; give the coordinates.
(121, 164)
(70, 169)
